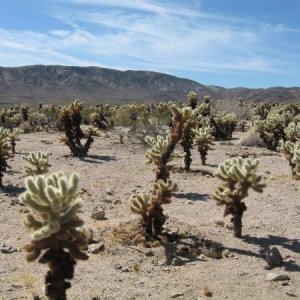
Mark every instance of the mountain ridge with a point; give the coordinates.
(60, 84)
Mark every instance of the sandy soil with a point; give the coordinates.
(122, 270)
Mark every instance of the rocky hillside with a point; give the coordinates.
(59, 84)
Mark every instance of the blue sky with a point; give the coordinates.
(254, 43)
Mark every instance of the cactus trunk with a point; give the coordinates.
(203, 154)
(188, 156)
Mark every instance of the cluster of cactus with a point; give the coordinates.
(56, 227)
(161, 152)
(224, 125)
(238, 176)
(203, 140)
(4, 151)
(38, 163)
(70, 117)
(291, 151)
(292, 132)
(98, 120)
(271, 130)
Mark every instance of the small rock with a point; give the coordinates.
(166, 269)
(190, 202)
(125, 270)
(98, 215)
(175, 295)
(277, 277)
(220, 223)
(149, 253)
(7, 249)
(291, 294)
(118, 267)
(96, 249)
(207, 176)
(273, 257)
(109, 192)
(176, 262)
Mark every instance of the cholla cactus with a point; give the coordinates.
(55, 227)
(98, 120)
(271, 130)
(204, 140)
(188, 135)
(224, 124)
(4, 151)
(150, 207)
(292, 132)
(193, 99)
(70, 117)
(39, 163)
(153, 155)
(14, 136)
(238, 175)
(291, 151)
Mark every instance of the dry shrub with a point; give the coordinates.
(251, 139)
(26, 127)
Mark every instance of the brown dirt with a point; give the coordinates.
(272, 219)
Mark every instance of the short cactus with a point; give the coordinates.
(204, 140)
(39, 163)
(193, 99)
(238, 175)
(4, 151)
(55, 225)
(150, 207)
(14, 136)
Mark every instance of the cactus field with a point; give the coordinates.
(149, 202)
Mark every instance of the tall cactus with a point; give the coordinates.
(204, 140)
(238, 175)
(4, 151)
(193, 99)
(55, 227)
(38, 163)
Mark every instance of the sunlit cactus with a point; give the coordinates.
(71, 118)
(38, 163)
(55, 227)
(4, 151)
(150, 207)
(193, 99)
(292, 132)
(14, 136)
(291, 152)
(203, 140)
(238, 175)
(224, 124)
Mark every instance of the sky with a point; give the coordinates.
(230, 43)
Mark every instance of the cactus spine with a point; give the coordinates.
(238, 175)
(4, 151)
(55, 225)
(39, 163)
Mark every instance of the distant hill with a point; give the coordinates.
(61, 84)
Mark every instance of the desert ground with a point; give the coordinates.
(177, 269)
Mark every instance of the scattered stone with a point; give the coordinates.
(98, 215)
(96, 249)
(176, 262)
(109, 192)
(190, 202)
(210, 253)
(149, 253)
(207, 176)
(220, 223)
(118, 267)
(178, 294)
(7, 249)
(166, 269)
(273, 257)
(125, 270)
(267, 172)
(277, 277)
(291, 294)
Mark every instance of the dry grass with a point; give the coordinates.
(251, 139)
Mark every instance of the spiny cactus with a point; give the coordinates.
(224, 124)
(188, 135)
(70, 117)
(55, 227)
(14, 136)
(154, 155)
(238, 175)
(39, 163)
(4, 151)
(203, 140)
(291, 151)
(192, 99)
(150, 207)
(292, 132)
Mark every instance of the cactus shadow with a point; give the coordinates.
(271, 240)
(192, 171)
(12, 190)
(98, 159)
(192, 196)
